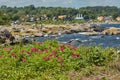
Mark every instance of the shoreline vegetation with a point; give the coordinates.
(51, 60)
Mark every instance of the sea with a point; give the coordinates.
(78, 39)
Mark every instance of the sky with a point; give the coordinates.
(60, 3)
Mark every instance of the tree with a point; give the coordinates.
(15, 17)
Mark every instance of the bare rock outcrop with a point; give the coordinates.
(6, 36)
(112, 31)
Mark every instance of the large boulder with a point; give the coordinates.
(111, 31)
(97, 28)
(6, 36)
(2, 40)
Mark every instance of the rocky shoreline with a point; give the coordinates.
(19, 32)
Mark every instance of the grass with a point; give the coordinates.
(54, 61)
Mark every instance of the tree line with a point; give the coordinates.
(8, 14)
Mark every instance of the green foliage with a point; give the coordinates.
(46, 14)
(4, 18)
(15, 17)
(52, 60)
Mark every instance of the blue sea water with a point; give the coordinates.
(110, 25)
(102, 40)
(98, 40)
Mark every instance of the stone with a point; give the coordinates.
(97, 28)
(91, 33)
(111, 31)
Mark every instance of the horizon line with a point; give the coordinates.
(56, 6)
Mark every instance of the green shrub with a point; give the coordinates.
(49, 59)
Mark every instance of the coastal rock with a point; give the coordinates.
(6, 36)
(15, 32)
(97, 28)
(78, 29)
(31, 31)
(91, 33)
(75, 30)
(111, 31)
(38, 34)
(66, 32)
(44, 30)
(2, 40)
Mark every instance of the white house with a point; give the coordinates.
(79, 16)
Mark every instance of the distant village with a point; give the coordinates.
(59, 15)
(33, 18)
(107, 19)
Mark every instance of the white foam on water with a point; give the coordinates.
(117, 38)
(84, 33)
